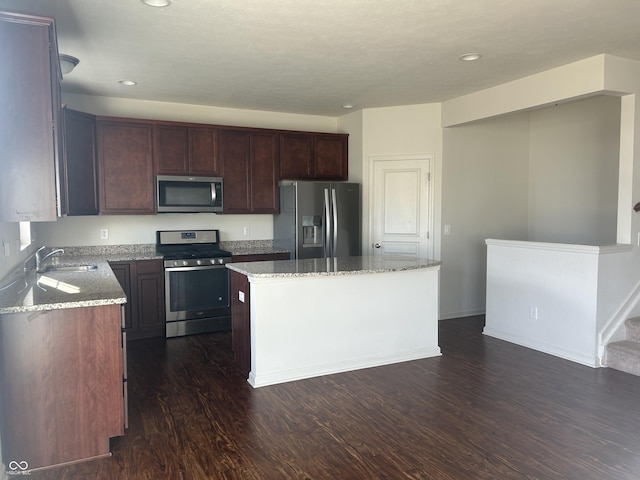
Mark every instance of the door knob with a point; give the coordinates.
(377, 245)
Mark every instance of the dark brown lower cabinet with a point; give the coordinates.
(241, 321)
(62, 389)
(143, 284)
(240, 309)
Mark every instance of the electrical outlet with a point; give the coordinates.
(104, 233)
(246, 230)
(533, 313)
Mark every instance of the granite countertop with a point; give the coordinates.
(330, 266)
(30, 291)
(251, 247)
(26, 291)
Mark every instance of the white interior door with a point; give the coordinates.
(400, 206)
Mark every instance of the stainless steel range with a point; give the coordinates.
(197, 293)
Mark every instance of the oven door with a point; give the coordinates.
(197, 292)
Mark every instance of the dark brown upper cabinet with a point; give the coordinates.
(250, 171)
(314, 156)
(182, 150)
(80, 163)
(125, 156)
(30, 137)
(331, 156)
(296, 156)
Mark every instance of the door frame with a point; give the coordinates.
(430, 158)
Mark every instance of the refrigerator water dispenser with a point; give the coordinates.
(312, 231)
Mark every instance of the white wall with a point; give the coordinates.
(352, 124)
(573, 183)
(136, 229)
(600, 75)
(10, 234)
(560, 282)
(484, 194)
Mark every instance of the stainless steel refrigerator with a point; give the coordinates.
(319, 219)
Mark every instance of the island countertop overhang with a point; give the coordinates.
(313, 267)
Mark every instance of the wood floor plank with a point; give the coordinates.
(485, 409)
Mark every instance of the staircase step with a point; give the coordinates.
(624, 356)
(632, 329)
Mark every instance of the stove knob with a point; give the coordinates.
(221, 261)
(175, 264)
(212, 261)
(199, 262)
(185, 263)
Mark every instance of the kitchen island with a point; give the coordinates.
(296, 319)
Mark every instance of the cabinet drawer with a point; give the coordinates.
(149, 266)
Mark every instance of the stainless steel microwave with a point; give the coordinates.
(189, 194)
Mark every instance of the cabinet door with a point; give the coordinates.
(126, 167)
(171, 149)
(235, 150)
(150, 296)
(65, 402)
(203, 157)
(264, 173)
(122, 271)
(80, 163)
(29, 88)
(296, 156)
(331, 158)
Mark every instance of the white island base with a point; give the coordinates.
(311, 325)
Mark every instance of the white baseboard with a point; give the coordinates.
(272, 378)
(590, 361)
(470, 313)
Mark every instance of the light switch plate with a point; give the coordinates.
(241, 296)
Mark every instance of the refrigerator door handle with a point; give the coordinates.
(327, 224)
(334, 211)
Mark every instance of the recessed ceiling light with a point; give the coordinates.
(348, 106)
(128, 83)
(470, 57)
(157, 3)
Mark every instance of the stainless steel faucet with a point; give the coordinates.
(39, 259)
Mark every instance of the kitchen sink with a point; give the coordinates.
(72, 268)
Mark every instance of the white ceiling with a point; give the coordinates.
(310, 57)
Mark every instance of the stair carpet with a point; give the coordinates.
(625, 354)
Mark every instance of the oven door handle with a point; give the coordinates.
(190, 269)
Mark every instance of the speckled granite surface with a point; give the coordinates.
(114, 253)
(251, 247)
(30, 291)
(330, 266)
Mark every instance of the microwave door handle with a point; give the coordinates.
(214, 195)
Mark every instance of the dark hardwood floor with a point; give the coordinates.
(485, 409)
